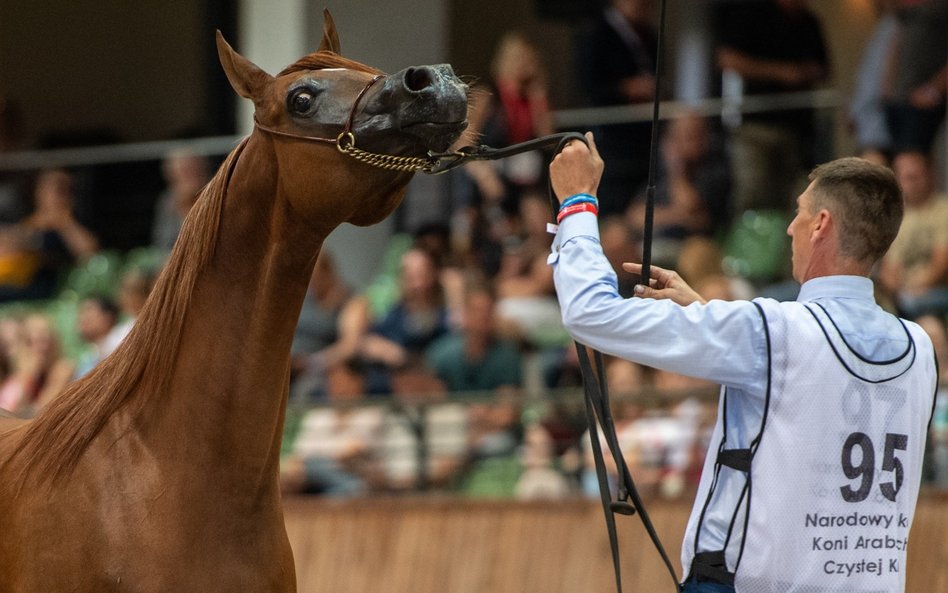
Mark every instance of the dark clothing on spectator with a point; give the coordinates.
(764, 31)
(316, 328)
(500, 366)
(609, 51)
(412, 332)
(711, 178)
(919, 55)
(54, 260)
(771, 151)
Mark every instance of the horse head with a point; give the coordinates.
(324, 101)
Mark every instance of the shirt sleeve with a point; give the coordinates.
(721, 341)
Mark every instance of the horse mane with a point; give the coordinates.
(326, 59)
(143, 364)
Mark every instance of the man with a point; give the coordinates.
(692, 188)
(476, 358)
(915, 270)
(825, 401)
(775, 46)
(915, 78)
(96, 320)
(615, 59)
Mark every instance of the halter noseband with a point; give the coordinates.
(346, 142)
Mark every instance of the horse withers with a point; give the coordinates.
(158, 470)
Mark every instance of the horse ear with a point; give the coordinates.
(330, 40)
(245, 76)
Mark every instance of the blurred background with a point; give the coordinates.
(430, 366)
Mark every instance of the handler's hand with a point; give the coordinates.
(664, 284)
(576, 169)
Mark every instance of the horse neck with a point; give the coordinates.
(231, 369)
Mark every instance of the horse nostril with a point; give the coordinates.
(418, 79)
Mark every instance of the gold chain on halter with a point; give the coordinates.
(345, 142)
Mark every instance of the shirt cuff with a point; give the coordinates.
(581, 224)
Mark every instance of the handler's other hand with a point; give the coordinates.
(576, 169)
(664, 284)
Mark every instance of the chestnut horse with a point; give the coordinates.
(158, 471)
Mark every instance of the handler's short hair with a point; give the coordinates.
(866, 201)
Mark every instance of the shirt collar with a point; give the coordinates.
(847, 287)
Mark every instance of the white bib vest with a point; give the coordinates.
(812, 510)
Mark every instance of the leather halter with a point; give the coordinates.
(346, 141)
(432, 163)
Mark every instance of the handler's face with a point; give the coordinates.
(799, 231)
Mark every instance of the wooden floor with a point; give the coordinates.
(448, 546)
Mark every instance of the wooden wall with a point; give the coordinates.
(449, 546)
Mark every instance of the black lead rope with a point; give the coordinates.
(599, 414)
(598, 411)
(446, 161)
(628, 501)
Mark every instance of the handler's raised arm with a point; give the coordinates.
(719, 341)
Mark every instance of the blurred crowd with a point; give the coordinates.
(428, 376)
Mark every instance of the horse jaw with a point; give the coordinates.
(375, 212)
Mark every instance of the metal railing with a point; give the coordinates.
(563, 119)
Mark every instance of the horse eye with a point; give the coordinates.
(301, 102)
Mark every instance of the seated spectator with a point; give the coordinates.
(700, 258)
(618, 245)
(625, 411)
(691, 189)
(540, 480)
(47, 242)
(96, 324)
(19, 264)
(662, 445)
(396, 343)
(38, 371)
(424, 442)
(915, 270)
(513, 108)
(134, 288)
(316, 342)
(475, 358)
(336, 452)
(937, 452)
(185, 174)
(526, 299)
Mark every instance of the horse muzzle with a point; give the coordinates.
(429, 104)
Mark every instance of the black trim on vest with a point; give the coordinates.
(713, 565)
(934, 399)
(843, 362)
(763, 424)
(908, 347)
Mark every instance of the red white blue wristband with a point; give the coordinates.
(575, 208)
